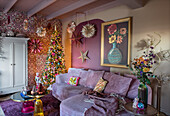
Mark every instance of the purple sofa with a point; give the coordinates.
(74, 103)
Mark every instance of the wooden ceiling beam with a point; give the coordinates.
(134, 3)
(39, 7)
(9, 5)
(69, 8)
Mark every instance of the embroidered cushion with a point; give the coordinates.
(73, 80)
(100, 85)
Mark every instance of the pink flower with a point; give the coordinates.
(46, 76)
(119, 39)
(56, 74)
(112, 29)
(122, 31)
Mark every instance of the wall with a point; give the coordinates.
(153, 17)
(13, 20)
(88, 44)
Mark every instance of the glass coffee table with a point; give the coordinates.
(38, 105)
(28, 104)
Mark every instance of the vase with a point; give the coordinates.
(10, 33)
(143, 94)
(114, 55)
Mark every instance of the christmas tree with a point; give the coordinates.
(55, 63)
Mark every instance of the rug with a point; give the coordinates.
(50, 107)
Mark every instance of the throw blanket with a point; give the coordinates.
(104, 104)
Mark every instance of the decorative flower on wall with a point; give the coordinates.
(41, 31)
(88, 30)
(35, 46)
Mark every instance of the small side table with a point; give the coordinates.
(149, 111)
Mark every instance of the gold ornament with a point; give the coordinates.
(83, 56)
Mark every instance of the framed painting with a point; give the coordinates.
(116, 43)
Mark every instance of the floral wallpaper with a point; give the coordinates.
(14, 21)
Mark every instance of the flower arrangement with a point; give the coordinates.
(116, 35)
(142, 66)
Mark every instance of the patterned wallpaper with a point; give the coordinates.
(14, 21)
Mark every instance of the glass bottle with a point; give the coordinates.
(143, 94)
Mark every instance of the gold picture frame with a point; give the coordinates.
(116, 43)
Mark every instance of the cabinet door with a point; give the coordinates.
(19, 63)
(6, 79)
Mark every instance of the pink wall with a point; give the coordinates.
(93, 45)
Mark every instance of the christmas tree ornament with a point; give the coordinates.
(88, 30)
(83, 56)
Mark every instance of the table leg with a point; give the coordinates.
(27, 107)
(38, 109)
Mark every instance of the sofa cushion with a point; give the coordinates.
(73, 81)
(83, 77)
(101, 84)
(117, 84)
(74, 72)
(93, 78)
(133, 88)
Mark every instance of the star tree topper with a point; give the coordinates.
(83, 56)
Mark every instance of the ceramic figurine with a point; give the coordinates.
(135, 102)
(37, 80)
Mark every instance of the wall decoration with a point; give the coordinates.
(25, 25)
(41, 31)
(93, 45)
(84, 56)
(35, 46)
(115, 43)
(88, 30)
(71, 27)
(76, 38)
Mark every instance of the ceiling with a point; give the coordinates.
(62, 8)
